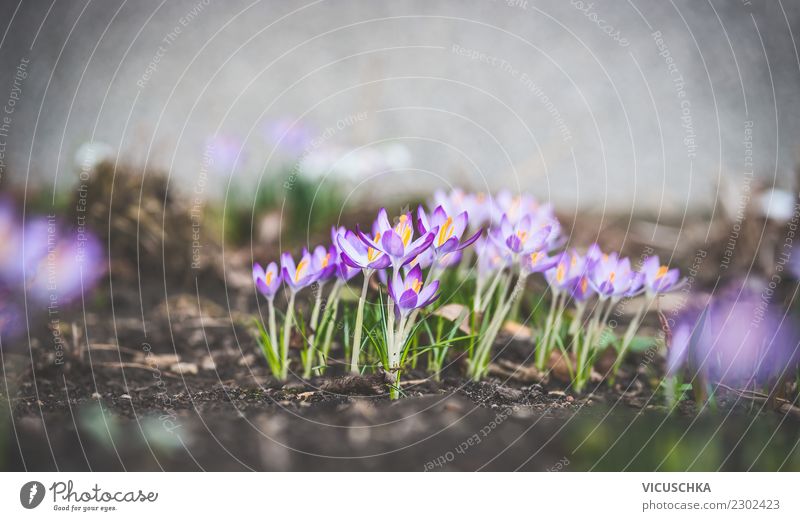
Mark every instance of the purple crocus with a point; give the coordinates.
(568, 270)
(491, 258)
(477, 205)
(69, 265)
(612, 277)
(659, 279)
(411, 293)
(538, 262)
(323, 263)
(736, 340)
(268, 281)
(300, 275)
(344, 271)
(356, 254)
(520, 237)
(397, 241)
(448, 230)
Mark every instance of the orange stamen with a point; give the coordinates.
(300, 269)
(661, 272)
(372, 253)
(445, 231)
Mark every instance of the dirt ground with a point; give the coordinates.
(211, 405)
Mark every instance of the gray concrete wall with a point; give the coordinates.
(586, 105)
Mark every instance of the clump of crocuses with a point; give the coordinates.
(487, 248)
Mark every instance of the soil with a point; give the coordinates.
(211, 405)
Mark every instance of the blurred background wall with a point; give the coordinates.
(636, 106)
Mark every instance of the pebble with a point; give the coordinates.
(125, 397)
(96, 395)
(184, 368)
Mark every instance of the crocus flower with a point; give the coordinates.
(491, 258)
(300, 275)
(520, 237)
(726, 343)
(267, 281)
(289, 135)
(71, 265)
(659, 279)
(538, 261)
(323, 262)
(478, 206)
(356, 254)
(567, 271)
(9, 242)
(612, 277)
(448, 230)
(513, 206)
(411, 293)
(344, 272)
(397, 241)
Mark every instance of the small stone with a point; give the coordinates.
(184, 368)
(570, 399)
(125, 397)
(208, 364)
(96, 395)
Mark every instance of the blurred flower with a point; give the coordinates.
(448, 229)
(225, 152)
(736, 340)
(658, 278)
(491, 258)
(411, 293)
(568, 270)
(268, 282)
(612, 277)
(69, 264)
(288, 135)
(10, 247)
(538, 261)
(520, 237)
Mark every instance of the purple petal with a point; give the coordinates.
(408, 300)
(392, 244)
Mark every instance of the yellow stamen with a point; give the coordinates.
(416, 285)
(326, 260)
(523, 236)
(584, 284)
(560, 272)
(612, 276)
(300, 269)
(268, 278)
(403, 229)
(445, 231)
(661, 272)
(372, 253)
(535, 256)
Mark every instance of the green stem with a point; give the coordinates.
(287, 335)
(480, 363)
(312, 338)
(329, 323)
(356, 349)
(633, 327)
(543, 349)
(273, 330)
